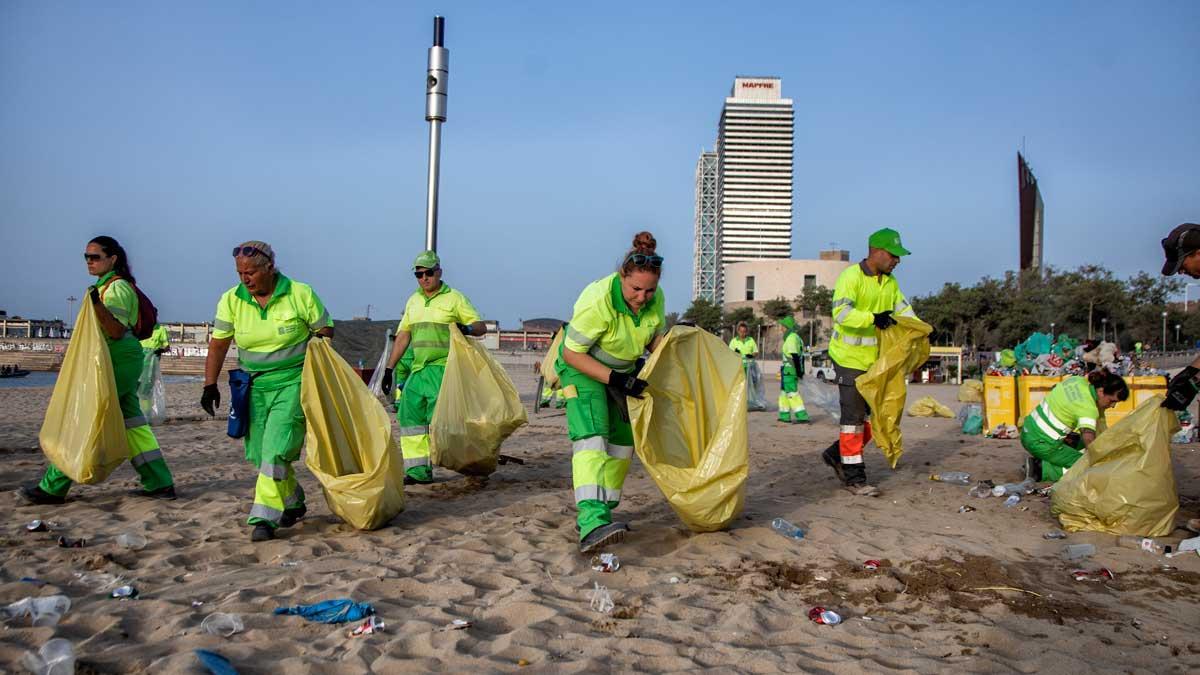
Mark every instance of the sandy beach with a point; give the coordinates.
(965, 592)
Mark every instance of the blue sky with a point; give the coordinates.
(184, 128)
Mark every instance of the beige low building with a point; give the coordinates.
(753, 283)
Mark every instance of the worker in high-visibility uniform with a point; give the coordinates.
(425, 327)
(116, 305)
(866, 300)
(743, 344)
(1065, 422)
(157, 343)
(615, 320)
(271, 318)
(1182, 251)
(791, 404)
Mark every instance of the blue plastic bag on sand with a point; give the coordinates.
(330, 611)
(215, 663)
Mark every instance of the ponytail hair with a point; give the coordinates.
(112, 247)
(1113, 385)
(644, 244)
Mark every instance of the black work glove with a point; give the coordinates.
(210, 400)
(94, 294)
(626, 384)
(798, 365)
(388, 381)
(1182, 389)
(464, 329)
(1072, 439)
(160, 352)
(884, 320)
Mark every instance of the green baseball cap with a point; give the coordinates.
(430, 260)
(888, 240)
(787, 322)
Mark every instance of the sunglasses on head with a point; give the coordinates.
(248, 251)
(93, 257)
(643, 259)
(426, 273)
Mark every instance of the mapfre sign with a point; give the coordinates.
(758, 85)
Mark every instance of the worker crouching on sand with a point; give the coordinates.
(615, 320)
(426, 328)
(116, 304)
(866, 299)
(271, 318)
(1065, 422)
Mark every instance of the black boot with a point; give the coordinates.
(161, 493)
(292, 516)
(37, 496)
(262, 532)
(833, 458)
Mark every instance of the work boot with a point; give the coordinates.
(292, 516)
(161, 493)
(862, 490)
(612, 533)
(262, 532)
(409, 480)
(37, 496)
(1033, 469)
(833, 458)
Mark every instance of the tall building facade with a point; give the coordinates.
(1032, 216)
(706, 277)
(755, 154)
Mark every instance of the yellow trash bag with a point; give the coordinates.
(349, 441)
(902, 349)
(1123, 483)
(83, 433)
(928, 406)
(477, 408)
(549, 373)
(689, 428)
(970, 391)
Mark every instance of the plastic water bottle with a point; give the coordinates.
(1145, 543)
(787, 529)
(955, 477)
(1012, 500)
(1078, 551)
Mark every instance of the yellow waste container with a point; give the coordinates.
(1031, 389)
(999, 401)
(1141, 387)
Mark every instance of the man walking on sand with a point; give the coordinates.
(864, 301)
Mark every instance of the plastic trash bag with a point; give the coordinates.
(827, 397)
(756, 393)
(549, 373)
(330, 611)
(83, 433)
(971, 418)
(478, 407)
(689, 429)
(902, 349)
(376, 384)
(1123, 483)
(928, 406)
(349, 437)
(152, 395)
(971, 391)
(1008, 358)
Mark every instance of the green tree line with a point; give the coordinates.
(1085, 302)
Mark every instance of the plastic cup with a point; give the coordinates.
(219, 623)
(131, 540)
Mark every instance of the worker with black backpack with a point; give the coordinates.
(126, 315)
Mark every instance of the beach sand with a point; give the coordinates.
(501, 553)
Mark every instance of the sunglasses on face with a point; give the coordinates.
(248, 251)
(426, 273)
(93, 257)
(643, 259)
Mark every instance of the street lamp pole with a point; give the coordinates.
(1164, 334)
(436, 87)
(1104, 329)
(1052, 330)
(1177, 344)
(71, 300)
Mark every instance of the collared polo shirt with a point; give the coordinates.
(272, 337)
(604, 327)
(428, 319)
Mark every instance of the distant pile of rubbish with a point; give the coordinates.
(1045, 354)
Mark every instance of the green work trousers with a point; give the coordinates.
(273, 442)
(414, 415)
(144, 453)
(601, 448)
(1056, 455)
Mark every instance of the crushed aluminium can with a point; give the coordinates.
(824, 616)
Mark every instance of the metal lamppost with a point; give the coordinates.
(1104, 329)
(437, 80)
(71, 300)
(1164, 334)
(1177, 344)
(1052, 330)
